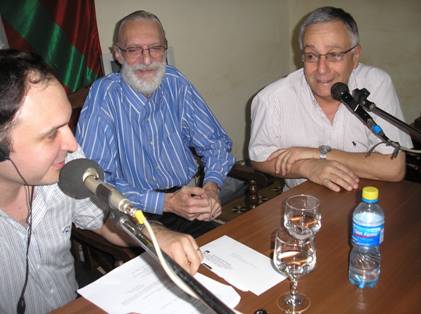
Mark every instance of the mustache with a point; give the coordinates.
(152, 66)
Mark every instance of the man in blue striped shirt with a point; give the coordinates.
(142, 124)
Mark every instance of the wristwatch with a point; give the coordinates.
(324, 149)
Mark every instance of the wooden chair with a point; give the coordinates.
(413, 161)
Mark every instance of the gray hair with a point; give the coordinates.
(329, 14)
(138, 15)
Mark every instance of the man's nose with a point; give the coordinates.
(146, 56)
(322, 64)
(68, 140)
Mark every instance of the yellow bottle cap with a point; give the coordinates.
(370, 193)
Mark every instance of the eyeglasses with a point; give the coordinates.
(135, 52)
(313, 57)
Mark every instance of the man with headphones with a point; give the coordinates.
(35, 216)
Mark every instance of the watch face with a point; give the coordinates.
(324, 149)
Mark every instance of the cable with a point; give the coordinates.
(29, 194)
(410, 150)
(141, 219)
(396, 150)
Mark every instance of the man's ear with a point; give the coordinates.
(356, 55)
(117, 54)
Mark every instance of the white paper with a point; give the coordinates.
(141, 286)
(241, 266)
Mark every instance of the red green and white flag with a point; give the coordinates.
(63, 32)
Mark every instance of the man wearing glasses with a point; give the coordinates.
(141, 125)
(300, 132)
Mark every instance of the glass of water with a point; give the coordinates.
(293, 258)
(302, 217)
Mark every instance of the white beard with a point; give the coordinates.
(146, 87)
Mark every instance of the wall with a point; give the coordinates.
(230, 49)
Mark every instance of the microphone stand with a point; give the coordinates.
(361, 97)
(132, 229)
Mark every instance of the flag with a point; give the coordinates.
(63, 32)
(3, 39)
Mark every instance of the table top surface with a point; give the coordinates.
(399, 288)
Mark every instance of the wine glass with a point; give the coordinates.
(302, 216)
(293, 258)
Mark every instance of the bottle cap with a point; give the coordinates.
(370, 193)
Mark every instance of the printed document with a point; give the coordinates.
(141, 286)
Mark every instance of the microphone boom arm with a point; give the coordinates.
(362, 95)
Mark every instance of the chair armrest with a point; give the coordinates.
(98, 252)
(244, 172)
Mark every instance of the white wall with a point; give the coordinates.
(230, 49)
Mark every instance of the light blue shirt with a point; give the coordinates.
(51, 282)
(144, 143)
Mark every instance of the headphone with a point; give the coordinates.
(4, 155)
(4, 152)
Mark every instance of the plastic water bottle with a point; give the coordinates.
(367, 235)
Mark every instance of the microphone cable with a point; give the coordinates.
(29, 194)
(141, 220)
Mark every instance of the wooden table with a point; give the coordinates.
(399, 288)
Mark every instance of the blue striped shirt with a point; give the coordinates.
(143, 143)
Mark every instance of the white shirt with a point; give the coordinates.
(51, 281)
(286, 114)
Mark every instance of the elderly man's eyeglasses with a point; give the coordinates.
(135, 52)
(313, 57)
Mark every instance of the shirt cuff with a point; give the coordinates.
(154, 202)
(214, 177)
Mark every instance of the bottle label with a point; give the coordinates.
(367, 235)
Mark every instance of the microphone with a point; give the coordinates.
(340, 91)
(80, 178)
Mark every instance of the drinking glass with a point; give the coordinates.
(302, 216)
(293, 258)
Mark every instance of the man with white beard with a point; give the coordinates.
(142, 124)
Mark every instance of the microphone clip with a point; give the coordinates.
(360, 96)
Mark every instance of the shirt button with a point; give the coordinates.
(51, 291)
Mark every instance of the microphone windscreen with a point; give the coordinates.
(339, 89)
(71, 177)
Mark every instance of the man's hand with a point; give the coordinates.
(182, 248)
(190, 203)
(212, 193)
(285, 158)
(331, 174)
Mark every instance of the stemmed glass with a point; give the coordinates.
(302, 216)
(293, 258)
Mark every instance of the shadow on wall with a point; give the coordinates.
(298, 64)
(295, 44)
(247, 129)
